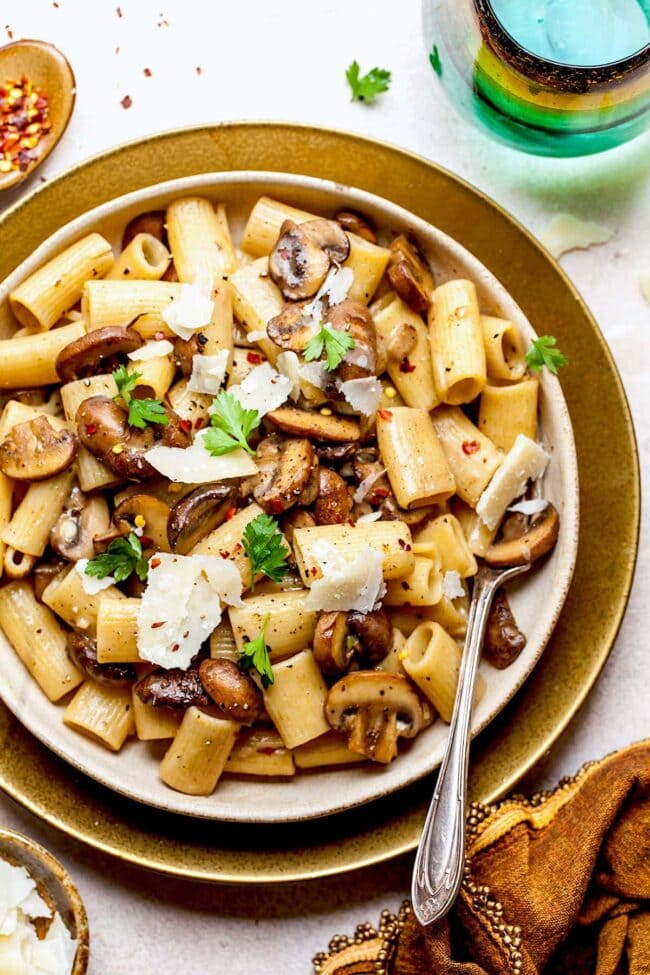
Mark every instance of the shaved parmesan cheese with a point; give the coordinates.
(452, 587)
(366, 484)
(151, 350)
(345, 585)
(316, 374)
(566, 233)
(181, 606)
(369, 517)
(532, 507)
(263, 389)
(55, 954)
(288, 365)
(208, 372)
(194, 465)
(336, 285)
(257, 336)
(363, 395)
(525, 461)
(645, 286)
(91, 585)
(189, 312)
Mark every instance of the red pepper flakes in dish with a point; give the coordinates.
(470, 447)
(147, 72)
(385, 414)
(24, 120)
(406, 366)
(126, 102)
(254, 358)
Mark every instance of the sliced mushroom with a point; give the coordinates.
(173, 688)
(538, 537)
(374, 708)
(303, 255)
(355, 318)
(43, 575)
(234, 693)
(296, 518)
(401, 342)
(410, 274)
(332, 651)
(152, 222)
(374, 633)
(335, 454)
(186, 349)
(34, 450)
(83, 653)
(144, 513)
(197, 514)
(353, 223)
(88, 354)
(316, 426)
(333, 505)
(415, 518)
(79, 524)
(504, 641)
(291, 329)
(285, 467)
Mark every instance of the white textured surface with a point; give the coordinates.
(287, 61)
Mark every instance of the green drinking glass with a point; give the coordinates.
(550, 77)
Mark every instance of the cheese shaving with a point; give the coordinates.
(189, 312)
(564, 233)
(451, 585)
(369, 517)
(208, 372)
(257, 336)
(363, 395)
(532, 507)
(365, 485)
(151, 350)
(91, 585)
(315, 373)
(264, 389)
(288, 365)
(346, 585)
(194, 465)
(525, 461)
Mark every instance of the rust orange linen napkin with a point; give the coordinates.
(558, 884)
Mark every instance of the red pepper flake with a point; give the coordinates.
(231, 513)
(118, 11)
(313, 571)
(406, 366)
(10, 33)
(254, 358)
(385, 414)
(55, 4)
(147, 72)
(380, 493)
(186, 426)
(199, 69)
(146, 541)
(402, 544)
(175, 647)
(24, 119)
(154, 563)
(199, 422)
(91, 428)
(275, 506)
(155, 626)
(471, 446)
(126, 102)
(224, 553)
(159, 336)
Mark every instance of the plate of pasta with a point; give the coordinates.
(256, 431)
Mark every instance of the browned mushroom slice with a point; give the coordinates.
(416, 518)
(197, 514)
(83, 653)
(374, 633)
(374, 708)
(296, 518)
(85, 355)
(152, 222)
(291, 329)
(353, 223)
(79, 524)
(173, 688)
(539, 537)
(401, 342)
(234, 693)
(144, 513)
(303, 255)
(43, 575)
(504, 641)
(34, 450)
(336, 453)
(355, 318)
(409, 274)
(316, 426)
(186, 349)
(333, 505)
(285, 468)
(332, 652)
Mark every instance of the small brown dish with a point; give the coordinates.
(54, 884)
(49, 70)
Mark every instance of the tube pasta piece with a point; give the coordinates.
(471, 456)
(505, 354)
(296, 699)
(290, 627)
(392, 661)
(67, 598)
(421, 587)
(152, 723)
(391, 538)
(451, 614)
(328, 749)
(256, 300)
(103, 713)
(222, 643)
(525, 461)
(120, 302)
(117, 629)
(16, 412)
(479, 536)
(145, 258)
(457, 346)
(446, 534)
(198, 754)
(92, 473)
(157, 372)
(507, 411)
(200, 240)
(17, 565)
(6, 497)
(260, 751)
(28, 361)
(408, 351)
(417, 468)
(226, 541)
(31, 523)
(22, 619)
(190, 405)
(40, 300)
(432, 661)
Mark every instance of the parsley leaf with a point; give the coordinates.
(367, 87)
(543, 352)
(255, 654)
(122, 557)
(141, 411)
(264, 546)
(335, 344)
(434, 60)
(232, 425)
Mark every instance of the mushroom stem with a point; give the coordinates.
(373, 733)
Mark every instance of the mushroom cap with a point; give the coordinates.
(34, 450)
(286, 465)
(79, 524)
(84, 355)
(538, 538)
(315, 426)
(290, 329)
(410, 274)
(374, 632)
(330, 648)
(374, 690)
(333, 505)
(304, 253)
(356, 319)
(83, 652)
(354, 223)
(233, 692)
(197, 514)
(172, 688)
(155, 514)
(152, 222)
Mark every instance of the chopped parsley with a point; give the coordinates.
(231, 427)
(329, 340)
(365, 88)
(122, 557)
(255, 654)
(543, 352)
(265, 547)
(141, 411)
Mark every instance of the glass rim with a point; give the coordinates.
(584, 71)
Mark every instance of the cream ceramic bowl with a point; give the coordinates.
(536, 601)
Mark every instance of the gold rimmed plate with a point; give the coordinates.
(583, 636)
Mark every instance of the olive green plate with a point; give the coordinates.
(610, 503)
